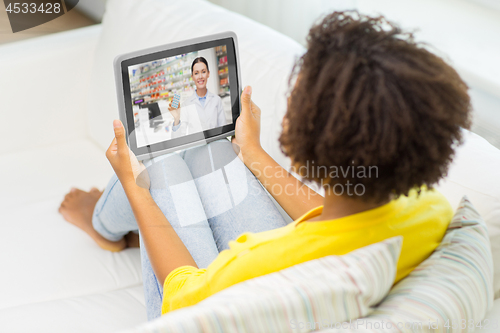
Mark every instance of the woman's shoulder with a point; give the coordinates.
(430, 201)
(428, 195)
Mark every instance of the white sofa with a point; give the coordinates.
(59, 91)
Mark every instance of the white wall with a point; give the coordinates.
(465, 32)
(92, 8)
(290, 17)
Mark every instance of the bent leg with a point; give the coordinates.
(78, 207)
(153, 289)
(173, 189)
(113, 217)
(233, 199)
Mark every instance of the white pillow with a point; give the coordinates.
(266, 56)
(316, 293)
(447, 292)
(475, 173)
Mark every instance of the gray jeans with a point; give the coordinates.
(208, 196)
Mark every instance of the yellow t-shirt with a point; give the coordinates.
(422, 221)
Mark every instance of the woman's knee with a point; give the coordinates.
(209, 158)
(222, 153)
(167, 170)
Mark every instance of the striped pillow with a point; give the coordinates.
(300, 298)
(451, 291)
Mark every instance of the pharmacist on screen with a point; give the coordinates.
(209, 111)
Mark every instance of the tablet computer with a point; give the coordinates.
(179, 95)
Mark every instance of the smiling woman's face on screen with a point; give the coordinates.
(200, 75)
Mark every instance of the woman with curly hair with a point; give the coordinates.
(373, 118)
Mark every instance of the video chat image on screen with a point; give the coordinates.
(180, 95)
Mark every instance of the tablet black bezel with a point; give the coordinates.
(170, 145)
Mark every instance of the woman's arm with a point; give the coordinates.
(292, 195)
(165, 249)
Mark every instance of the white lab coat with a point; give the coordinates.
(209, 116)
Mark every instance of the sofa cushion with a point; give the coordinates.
(54, 274)
(474, 172)
(108, 311)
(266, 56)
(452, 288)
(301, 297)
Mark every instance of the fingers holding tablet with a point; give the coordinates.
(118, 154)
(247, 135)
(126, 166)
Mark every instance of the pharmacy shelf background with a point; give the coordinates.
(221, 53)
(160, 80)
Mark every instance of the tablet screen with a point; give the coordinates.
(180, 96)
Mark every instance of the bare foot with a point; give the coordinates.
(77, 209)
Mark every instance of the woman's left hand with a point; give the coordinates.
(126, 166)
(247, 129)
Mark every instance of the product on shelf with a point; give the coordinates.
(222, 60)
(220, 50)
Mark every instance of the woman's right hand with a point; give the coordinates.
(175, 112)
(247, 132)
(123, 161)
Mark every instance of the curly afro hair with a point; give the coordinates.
(366, 96)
